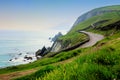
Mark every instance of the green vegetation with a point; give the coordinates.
(42, 62)
(71, 40)
(112, 17)
(114, 7)
(99, 62)
(39, 73)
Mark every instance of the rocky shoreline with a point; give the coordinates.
(29, 57)
(23, 58)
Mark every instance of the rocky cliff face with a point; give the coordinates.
(56, 46)
(92, 13)
(57, 43)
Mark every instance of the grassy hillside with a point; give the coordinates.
(69, 39)
(99, 62)
(113, 7)
(96, 12)
(112, 17)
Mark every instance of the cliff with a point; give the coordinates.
(56, 46)
(96, 12)
(96, 18)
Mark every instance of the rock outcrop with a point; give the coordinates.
(56, 46)
(42, 52)
(57, 43)
(56, 37)
(59, 46)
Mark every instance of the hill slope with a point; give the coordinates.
(96, 12)
(99, 62)
(96, 18)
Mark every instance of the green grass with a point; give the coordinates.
(101, 62)
(39, 73)
(113, 7)
(42, 62)
(72, 39)
(112, 17)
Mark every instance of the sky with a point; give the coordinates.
(23, 18)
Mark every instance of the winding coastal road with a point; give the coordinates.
(94, 38)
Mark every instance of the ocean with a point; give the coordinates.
(12, 52)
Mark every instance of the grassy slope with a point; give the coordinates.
(100, 61)
(102, 66)
(42, 62)
(112, 17)
(71, 39)
(74, 37)
(113, 7)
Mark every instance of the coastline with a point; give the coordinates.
(18, 59)
(11, 49)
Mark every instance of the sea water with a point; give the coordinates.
(11, 49)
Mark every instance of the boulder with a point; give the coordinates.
(42, 52)
(28, 58)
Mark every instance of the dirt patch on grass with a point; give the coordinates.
(17, 74)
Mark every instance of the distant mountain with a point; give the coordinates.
(97, 11)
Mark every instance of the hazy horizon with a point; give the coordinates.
(42, 17)
(26, 25)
